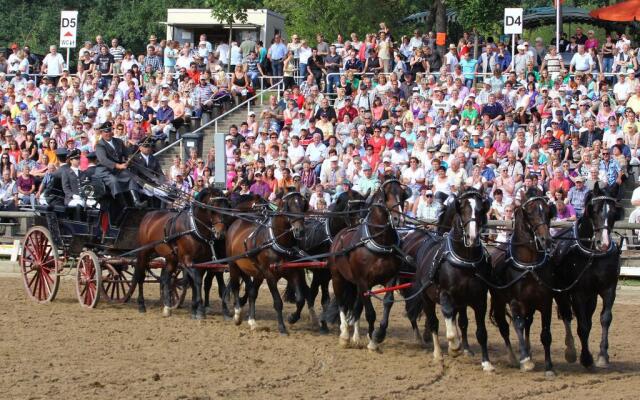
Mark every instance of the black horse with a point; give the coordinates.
(588, 264)
(319, 234)
(447, 273)
(411, 244)
(526, 278)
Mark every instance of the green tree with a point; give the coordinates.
(231, 11)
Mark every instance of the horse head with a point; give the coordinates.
(353, 204)
(536, 213)
(471, 208)
(213, 215)
(602, 211)
(295, 204)
(393, 194)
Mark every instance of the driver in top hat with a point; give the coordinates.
(113, 165)
(146, 165)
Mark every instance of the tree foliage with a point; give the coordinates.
(36, 23)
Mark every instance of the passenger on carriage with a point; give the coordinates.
(72, 178)
(54, 193)
(113, 166)
(145, 164)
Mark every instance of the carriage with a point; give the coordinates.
(96, 246)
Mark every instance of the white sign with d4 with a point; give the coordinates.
(513, 22)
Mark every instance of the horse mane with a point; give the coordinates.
(341, 203)
(533, 192)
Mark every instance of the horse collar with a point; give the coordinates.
(590, 252)
(456, 260)
(274, 241)
(194, 227)
(522, 266)
(327, 230)
(371, 244)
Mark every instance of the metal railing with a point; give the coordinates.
(258, 97)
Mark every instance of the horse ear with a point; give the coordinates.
(596, 189)
(407, 192)
(553, 211)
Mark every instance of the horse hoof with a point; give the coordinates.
(324, 329)
(549, 374)
(293, 318)
(343, 342)
(437, 357)
(468, 353)
(570, 355)
(488, 367)
(373, 346)
(586, 359)
(527, 365)
(237, 317)
(142, 310)
(166, 311)
(253, 325)
(454, 352)
(198, 316)
(284, 333)
(602, 362)
(208, 310)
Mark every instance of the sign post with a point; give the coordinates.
(513, 25)
(68, 30)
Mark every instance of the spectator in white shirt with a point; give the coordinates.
(581, 61)
(53, 63)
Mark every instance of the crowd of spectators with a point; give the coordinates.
(352, 111)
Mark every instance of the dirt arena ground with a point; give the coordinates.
(60, 351)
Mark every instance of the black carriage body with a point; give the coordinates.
(74, 230)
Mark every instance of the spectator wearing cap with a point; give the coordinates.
(425, 208)
(576, 196)
(331, 176)
(368, 182)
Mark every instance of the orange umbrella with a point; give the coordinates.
(627, 11)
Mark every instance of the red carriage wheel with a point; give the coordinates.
(116, 282)
(40, 265)
(88, 279)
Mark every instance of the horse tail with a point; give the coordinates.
(414, 305)
(331, 313)
(289, 293)
(492, 311)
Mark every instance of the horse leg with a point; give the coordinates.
(480, 310)
(606, 316)
(312, 293)
(277, 304)
(380, 333)
(324, 299)
(339, 289)
(253, 286)
(527, 331)
(234, 287)
(564, 312)
(584, 306)
(208, 282)
(519, 324)
(165, 282)
(375, 338)
(431, 325)
(498, 313)
(545, 336)
(222, 289)
(356, 339)
(300, 289)
(197, 307)
(463, 323)
(448, 311)
(138, 279)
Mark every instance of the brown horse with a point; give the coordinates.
(183, 238)
(364, 257)
(260, 243)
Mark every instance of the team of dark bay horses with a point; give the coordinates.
(368, 241)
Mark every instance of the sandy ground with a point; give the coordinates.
(60, 351)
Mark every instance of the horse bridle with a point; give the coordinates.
(289, 217)
(604, 226)
(463, 226)
(532, 226)
(399, 202)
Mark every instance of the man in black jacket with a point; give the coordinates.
(147, 166)
(113, 163)
(72, 178)
(590, 133)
